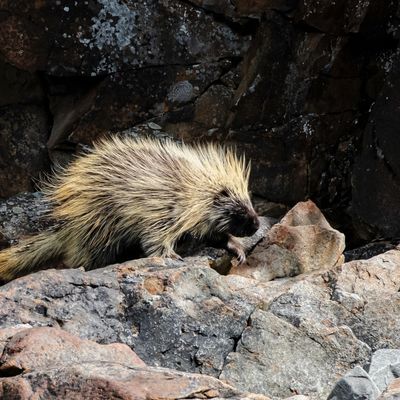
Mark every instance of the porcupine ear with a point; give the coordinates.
(220, 196)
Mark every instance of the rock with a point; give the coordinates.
(392, 392)
(342, 16)
(21, 215)
(110, 36)
(385, 367)
(386, 375)
(23, 155)
(283, 367)
(7, 333)
(297, 397)
(148, 306)
(302, 241)
(291, 335)
(371, 286)
(103, 379)
(42, 348)
(129, 98)
(243, 8)
(370, 250)
(50, 360)
(377, 165)
(356, 384)
(382, 358)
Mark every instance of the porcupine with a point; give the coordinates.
(130, 190)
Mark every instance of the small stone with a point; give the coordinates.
(181, 92)
(382, 358)
(385, 367)
(356, 384)
(154, 126)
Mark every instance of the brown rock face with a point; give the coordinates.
(302, 241)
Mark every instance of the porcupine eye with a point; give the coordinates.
(243, 222)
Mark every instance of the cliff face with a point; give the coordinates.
(308, 89)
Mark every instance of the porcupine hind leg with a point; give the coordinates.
(164, 249)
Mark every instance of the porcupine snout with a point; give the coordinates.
(244, 223)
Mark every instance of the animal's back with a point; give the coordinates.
(129, 190)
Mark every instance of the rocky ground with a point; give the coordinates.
(293, 322)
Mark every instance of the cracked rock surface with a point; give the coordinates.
(51, 363)
(294, 335)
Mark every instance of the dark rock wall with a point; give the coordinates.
(308, 89)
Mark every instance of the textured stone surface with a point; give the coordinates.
(281, 349)
(378, 165)
(382, 358)
(23, 153)
(302, 241)
(356, 384)
(40, 348)
(51, 363)
(291, 335)
(385, 367)
(392, 392)
(22, 215)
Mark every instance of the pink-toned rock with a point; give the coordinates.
(50, 363)
(36, 348)
(7, 333)
(104, 380)
(302, 242)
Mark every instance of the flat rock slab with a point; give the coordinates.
(50, 363)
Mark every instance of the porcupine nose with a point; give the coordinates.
(256, 223)
(253, 223)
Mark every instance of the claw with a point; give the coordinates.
(175, 256)
(241, 257)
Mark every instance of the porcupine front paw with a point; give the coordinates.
(237, 248)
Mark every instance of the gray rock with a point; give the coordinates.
(382, 358)
(385, 367)
(384, 376)
(22, 215)
(355, 385)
